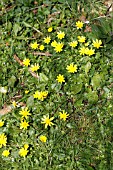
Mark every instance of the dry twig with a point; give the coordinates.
(45, 54)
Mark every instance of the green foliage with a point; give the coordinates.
(84, 140)
(103, 28)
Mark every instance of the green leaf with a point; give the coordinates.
(78, 103)
(105, 25)
(96, 80)
(43, 77)
(46, 12)
(9, 25)
(30, 101)
(92, 96)
(12, 81)
(56, 87)
(95, 31)
(61, 1)
(76, 88)
(26, 24)
(87, 67)
(70, 126)
(16, 28)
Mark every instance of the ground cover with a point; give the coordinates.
(56, 85)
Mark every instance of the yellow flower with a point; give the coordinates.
(59, 47)
(3, 140)
(97, 43)
(47, 40)
(34, 45)
(1, 123)
(23, 151)
(82, 50)
(60, 35)
(24, 124)
(26, 146)
(34, 67)
(43, 138)
(72, 68)
(54, 43)
(86, 44)
(50, 29)
(79, 24)
(26, 62)
(6, 153)
(37, 95)
(44, 94)
(24, 112)
(60, 78)
(26, 91)
(14, 104)
(73, 43)
(41, 47)
(47, 121)
(63, 115)
(90, 51)
(40, 95)
(81, 39)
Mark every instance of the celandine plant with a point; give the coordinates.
(60, 117)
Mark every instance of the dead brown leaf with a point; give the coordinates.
(5, 110)
(52, 17)
(82, 18)
(88, 29)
